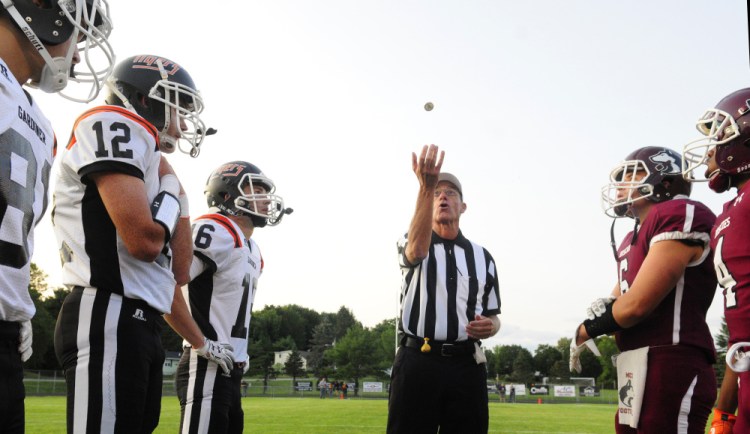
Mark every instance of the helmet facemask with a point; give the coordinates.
(718, 128)
(87, 23)
(264, 207)
(624, 178)
(181, 104)
(94, 50)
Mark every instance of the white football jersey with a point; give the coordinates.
(107, 139)
(222, 287)
(27, 148)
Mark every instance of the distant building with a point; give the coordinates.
(280, 357)
(170, 362)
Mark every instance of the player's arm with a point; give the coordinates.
(427, 168)
(181, 241)
(581, 336)
(663, 266)
(183, 324)
(125, 198)
(182, 251)
(182, 321)
(726, 404)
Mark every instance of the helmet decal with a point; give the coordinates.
(665, 163)
(151, 63)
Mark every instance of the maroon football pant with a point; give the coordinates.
(680, 392)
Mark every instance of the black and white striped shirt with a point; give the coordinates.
(441, 294)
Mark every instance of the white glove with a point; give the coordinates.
(25, 338)
(576, 350)
(737, 359)
(599, 306)
(247, 366)
(219, 353)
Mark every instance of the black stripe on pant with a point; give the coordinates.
(210, 402)
(110, 349)
(12, 392)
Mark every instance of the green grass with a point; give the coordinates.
(45, 415)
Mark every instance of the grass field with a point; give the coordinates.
(46, 415)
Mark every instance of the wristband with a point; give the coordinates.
(603, 324)
(184, 206)
(724, 416)
(165, 210)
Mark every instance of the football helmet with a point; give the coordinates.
(662, 181)
(726, 129)
(54, 22)
(163, 93)
(232, 189)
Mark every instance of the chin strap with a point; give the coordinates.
(55, 71)
(635, 230)
(612, 235)
(612, 239)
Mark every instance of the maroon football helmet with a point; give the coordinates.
(727, 130)
(662, 181)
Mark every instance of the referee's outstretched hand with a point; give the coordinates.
(427, 166)
(218, 352)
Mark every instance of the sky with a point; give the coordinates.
(535, 103)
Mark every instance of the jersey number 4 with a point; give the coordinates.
(726, 280)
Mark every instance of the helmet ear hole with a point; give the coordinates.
(141, 100)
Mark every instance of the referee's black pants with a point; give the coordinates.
(432, 393)
(12, 393)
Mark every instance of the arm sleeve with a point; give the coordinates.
(212, 247)
(689, 222)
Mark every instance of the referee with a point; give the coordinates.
(449, 300)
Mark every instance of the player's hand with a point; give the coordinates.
(576, 350)
(599, 306)
(427, 166)
(723, 422)
(25, 339)
(738, 359)
(247, 366)
(218, 352)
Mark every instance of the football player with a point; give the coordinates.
(39, 48)
(724, 150)
(664, 289)
(123, 231)
(223, 277)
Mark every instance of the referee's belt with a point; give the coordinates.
(439, 348)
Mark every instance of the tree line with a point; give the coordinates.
(337, 345)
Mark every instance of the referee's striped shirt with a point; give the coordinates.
(441, 294)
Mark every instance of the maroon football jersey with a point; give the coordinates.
(730, 242)
(681, 317)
